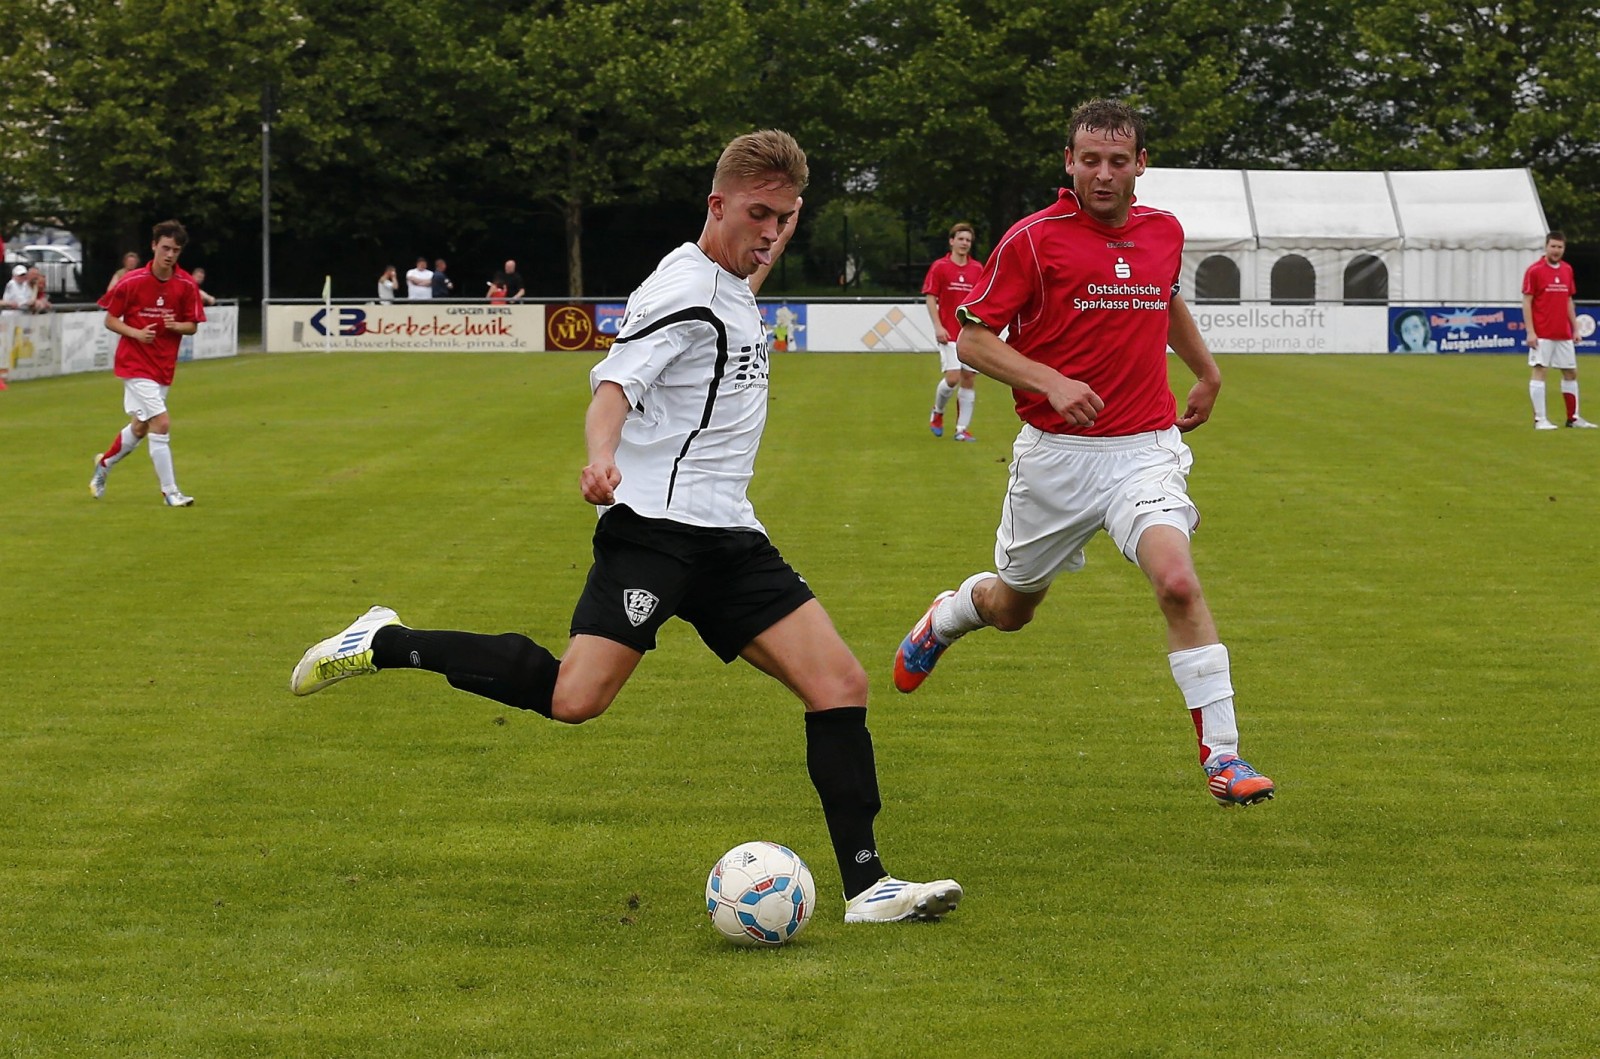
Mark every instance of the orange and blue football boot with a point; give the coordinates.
(919, 650)
(1234, 782)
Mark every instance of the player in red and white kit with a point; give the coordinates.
(949, 283)
(1548, 290)
(152, 308)
(1089, 290)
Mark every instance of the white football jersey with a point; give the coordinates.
(691, 356)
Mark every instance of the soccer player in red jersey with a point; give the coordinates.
(1548, 290)
(1089, 290)
(151, 308)
(949, 282)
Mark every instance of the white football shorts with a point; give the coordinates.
(948, 361)
(144, 399)
(1554, 353)
(1064, 489)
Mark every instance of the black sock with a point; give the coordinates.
(508, 668)
(839, 758)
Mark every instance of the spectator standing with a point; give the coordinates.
(387, 284)
(510, 280)
(19, 292)
(130, 261)
(419, 281)
(199, 278)
(443, 286)
(1551, 319)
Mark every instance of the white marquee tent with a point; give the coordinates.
(1447, 236)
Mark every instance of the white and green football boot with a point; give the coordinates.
(346, 654)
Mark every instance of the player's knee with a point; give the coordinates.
(575, 708)
(843, 684)
(1177, 589)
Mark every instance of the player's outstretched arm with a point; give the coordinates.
(1183, 335)
(602, 430)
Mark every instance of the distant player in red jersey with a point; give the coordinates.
(949, 282)
(1089, 290)
(151, 308)
(1548, 291)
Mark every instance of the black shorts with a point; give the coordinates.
(730, 584)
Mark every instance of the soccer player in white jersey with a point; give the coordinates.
(679, 405)
(1088, 288)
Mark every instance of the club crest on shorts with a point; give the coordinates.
(638, 605)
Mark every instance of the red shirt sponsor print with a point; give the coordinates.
(1553, 289)
(951, 284)
(1092, 303)
(139, 300)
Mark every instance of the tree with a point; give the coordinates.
(618, 101)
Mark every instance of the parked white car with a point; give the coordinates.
(62, 269)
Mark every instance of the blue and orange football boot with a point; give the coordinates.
(936, 424)
(1234, 782)
(919, 650)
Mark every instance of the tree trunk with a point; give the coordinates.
(574, 247)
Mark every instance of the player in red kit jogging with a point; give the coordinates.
(949, 283)
(1089, 291)
(1548, 312)
(151, 308)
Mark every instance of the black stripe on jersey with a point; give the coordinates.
(705, 315)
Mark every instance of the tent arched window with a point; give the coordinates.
(1366, 281)
(1294, 281)
(1216, 281)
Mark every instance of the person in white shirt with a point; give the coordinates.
(679, 406)
(419, 280)
(19, 292)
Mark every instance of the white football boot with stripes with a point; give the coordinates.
(348, 654)
(890, 900)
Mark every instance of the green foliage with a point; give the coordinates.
(462, 116)
(196, 863)
(855, 241)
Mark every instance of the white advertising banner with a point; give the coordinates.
(32, 349)
(1293, 328)
(408, 325)
(900, 327)
(35, 346)
(86, 345)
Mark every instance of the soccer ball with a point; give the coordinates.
(760, 893)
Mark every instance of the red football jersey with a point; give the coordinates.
(1091, 302)
(140, 299)
(1553, 289)
(951, 284)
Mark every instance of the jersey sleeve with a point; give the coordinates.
(1006, 285)
(930, 283)
(115, 301)
(1527, 282)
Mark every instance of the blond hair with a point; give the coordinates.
(759, 154)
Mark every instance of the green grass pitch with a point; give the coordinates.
(195, 863)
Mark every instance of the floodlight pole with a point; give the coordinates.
(266, 208)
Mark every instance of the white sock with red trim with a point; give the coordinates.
(123, 444)
(1202, 675)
